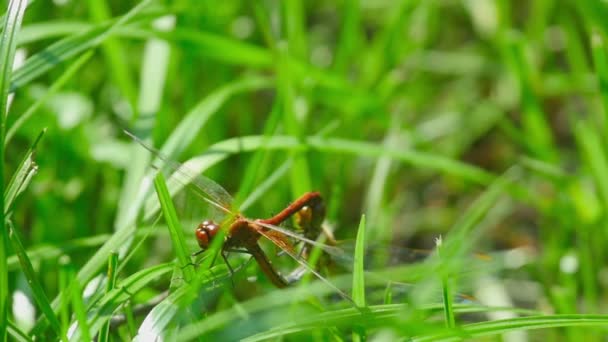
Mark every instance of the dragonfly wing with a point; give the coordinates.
(329, 249)
(207, 189)
(187, 174)
(305, 265)
(279, 240)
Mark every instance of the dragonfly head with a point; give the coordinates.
(205, 232)
(311, 216)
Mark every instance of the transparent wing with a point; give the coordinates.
(303, 263)
(335, 251)
(183, 175)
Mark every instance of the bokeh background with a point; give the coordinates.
(483, 122)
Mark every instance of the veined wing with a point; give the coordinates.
(303, 263)
(329, 249)
(207, 189)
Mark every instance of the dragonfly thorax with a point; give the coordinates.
(205, 232)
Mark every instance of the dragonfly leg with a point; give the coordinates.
(213, 261)
(229, 268)
(236, 250)
(198, 253)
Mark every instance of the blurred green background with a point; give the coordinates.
(484, 122)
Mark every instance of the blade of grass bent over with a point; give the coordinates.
(22, 176)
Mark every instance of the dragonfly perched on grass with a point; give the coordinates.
(243, 234)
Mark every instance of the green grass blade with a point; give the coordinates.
(358, 269)
(359, 276)
(111, 284)
(534, 122)
(114, 52)
(493, 328)
(89, 270)
(600, 61)
(287, 92)
(58, 52)
(79, 308)
(592, 149)
(22, 176)
(153, 73)
(44, 252)
(162, 315)
(194, 121)
(61, 81)
(16, 334)
(119, 295)
(349, 35)
(294, 20)
(448, 304)
(175, 228)
(32, 278)
(224, 149)
(8, 44)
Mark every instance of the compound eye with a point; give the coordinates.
(212, 229)
(202, 237)
(205, 233)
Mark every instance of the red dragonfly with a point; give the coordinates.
(243, 233)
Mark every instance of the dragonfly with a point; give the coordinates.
(243, 234)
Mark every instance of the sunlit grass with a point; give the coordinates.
(479, 124)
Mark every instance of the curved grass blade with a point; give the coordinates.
(49, 252)
(220, 151)
(89, 270)
(119, 295)
(493, 328)
(66, 76)
(68, 47)
(32, 279)
(16, 334)
(22, 176)
(161, 316)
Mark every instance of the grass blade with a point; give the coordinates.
(358, 270)
(79, 307)
(493, 328)
(8, 44)
(16, 334)
(447, 292)
(119, 295)
(175, 228)
(61, 81)
(359, 276)
(112, 267)
(36, 287)
(22, 176)
(69, 47)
